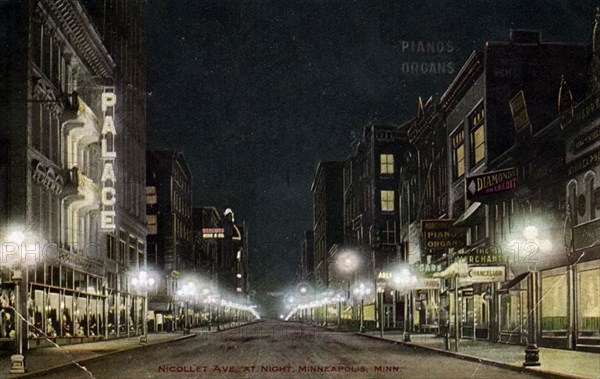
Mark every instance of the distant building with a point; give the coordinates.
(328, 218)
(222, 249)
(169, 216)
(371, 189)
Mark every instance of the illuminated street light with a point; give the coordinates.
(360, 291)
(144, 282)
(404, 281)
(186, 293)
(17, 248)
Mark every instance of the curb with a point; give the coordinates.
(491, 362)
(74, 362)
(239, 326)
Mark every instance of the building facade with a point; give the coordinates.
(327, 216)
(64, 180)
(169, 216)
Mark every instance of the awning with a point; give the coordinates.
(160, 307)
(458, 268)
(472, 208)
(513, 282)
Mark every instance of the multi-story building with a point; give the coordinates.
(122, 27)
(206, 222)
(169, 216)
(503, 219)
(328, 216)
(223, 248)
(64, 185)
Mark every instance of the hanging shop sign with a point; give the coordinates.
(518, 109)
(486, 274)
(491, 183)
(213, 233)
(428, 284)
(442, 234)
(427, 268)
(485, 255)
(109, 154)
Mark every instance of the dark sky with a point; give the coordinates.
(256, 93)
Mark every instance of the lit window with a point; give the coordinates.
(478, 135)
(458, 146)
(387, 201)
(151, 195)
(387, 163)
(152, 224)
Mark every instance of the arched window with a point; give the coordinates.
(572, 201)
(590, 179)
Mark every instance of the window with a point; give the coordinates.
(590, 196)
(389, 233)
(110, 247)
(387, 201)
(458, 148)
(152, 227)
(387, 163)
(477, 120)
(151, 195)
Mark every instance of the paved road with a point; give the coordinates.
(273, 349)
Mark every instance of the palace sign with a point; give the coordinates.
(109, 154)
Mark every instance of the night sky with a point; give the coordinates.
(256, 93)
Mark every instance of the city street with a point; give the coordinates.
(273, 349)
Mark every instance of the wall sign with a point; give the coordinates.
(442, 234)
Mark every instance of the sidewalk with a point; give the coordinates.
(565, 363)
(45, 359)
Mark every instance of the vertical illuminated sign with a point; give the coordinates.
(109, 154)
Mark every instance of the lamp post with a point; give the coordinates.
(187, 291)
(360, 291)
(144, 282)
(404, 281)
(347, 263)
(16, 251)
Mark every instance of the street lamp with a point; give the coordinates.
(361, 290)
(144, 282)
(404, 281)
(187, 291)
(347, 263)
(16, 250)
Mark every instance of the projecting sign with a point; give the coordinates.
(442, 234)
(428, 284)
(486, 274)
(108, 193)
(518, 109)
(210, 233)
(485, 255)
(491, 182)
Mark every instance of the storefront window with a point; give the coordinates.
(589, 302)
(554, 303)
(53, 325)
(67, 317)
